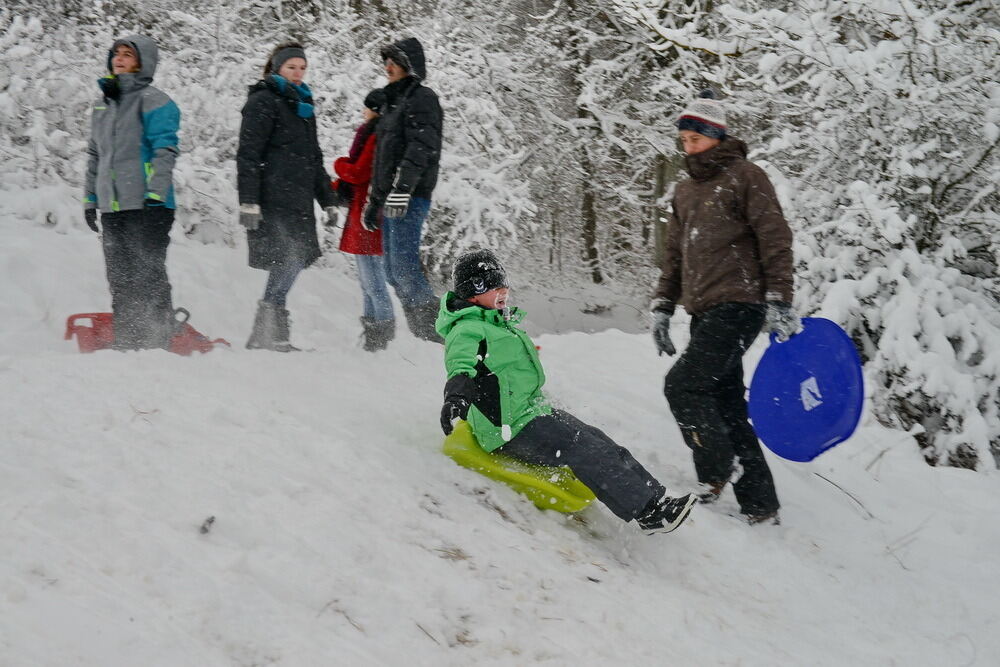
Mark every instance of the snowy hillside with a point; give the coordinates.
(341, 535)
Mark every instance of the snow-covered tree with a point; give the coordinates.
(878, 122)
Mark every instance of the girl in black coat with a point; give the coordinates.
(280, 172)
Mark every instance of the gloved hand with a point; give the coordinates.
(332, 216)
(662, 312)
(344, 192)
(151, 202)
(396, 204)
(781, 320)
(250, 216)
(454, 408)
(90, 215)
(371, 220)
(456, 403)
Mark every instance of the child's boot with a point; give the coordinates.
(664, 514)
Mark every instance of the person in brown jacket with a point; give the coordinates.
(728, 262)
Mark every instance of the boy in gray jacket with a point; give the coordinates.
(131, 154)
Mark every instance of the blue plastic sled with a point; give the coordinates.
(807, 393)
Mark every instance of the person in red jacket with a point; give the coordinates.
(355, 172)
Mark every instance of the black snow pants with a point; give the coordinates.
(707, 396)
(135, 257)
(615, 477)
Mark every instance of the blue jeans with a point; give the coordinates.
(279, 282)
(401, 245)
(374, 291)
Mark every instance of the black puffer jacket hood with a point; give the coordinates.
(409, 54)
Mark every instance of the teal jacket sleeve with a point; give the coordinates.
(90, 183)
(161, 122)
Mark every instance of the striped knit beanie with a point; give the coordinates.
(704, 115)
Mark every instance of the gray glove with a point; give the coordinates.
(250, 216)
(781, 320)
(396, 204)
(662, 311)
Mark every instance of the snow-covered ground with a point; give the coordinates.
(342, 536)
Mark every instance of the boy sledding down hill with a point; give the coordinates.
(495, 383)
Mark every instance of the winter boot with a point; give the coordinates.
(770, 518)
(265, 327)
(664, 514)
(710, 492)
(421, 320)
(377, 333)
(282, 342)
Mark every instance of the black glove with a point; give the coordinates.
(396, 204)
(662, 312)
(781, 320)
(454, 408)
(90, 215)
(344, 192)
(371, 220)
(456, 403)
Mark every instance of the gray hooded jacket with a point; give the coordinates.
(133, 137)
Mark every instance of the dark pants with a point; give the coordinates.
(617, 479)
(706, 394)
(135, 257)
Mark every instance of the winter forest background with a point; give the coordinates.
(878, 122)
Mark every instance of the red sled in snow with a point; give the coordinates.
(99, 334)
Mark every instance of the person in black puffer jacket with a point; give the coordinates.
(408, 149)
(279, 173)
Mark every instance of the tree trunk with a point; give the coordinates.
(660, 212)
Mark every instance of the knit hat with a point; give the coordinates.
(279, 58)
(375, 100)
(477, 272)
(704, 115)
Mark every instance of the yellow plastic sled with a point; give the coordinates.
(550, 488)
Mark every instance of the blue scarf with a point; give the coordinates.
(305, 109)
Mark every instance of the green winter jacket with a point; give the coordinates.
(502, 363)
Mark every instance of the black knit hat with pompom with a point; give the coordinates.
(477, 272)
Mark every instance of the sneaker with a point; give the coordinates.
(765, 518)
(711, 493)
(666, 514)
